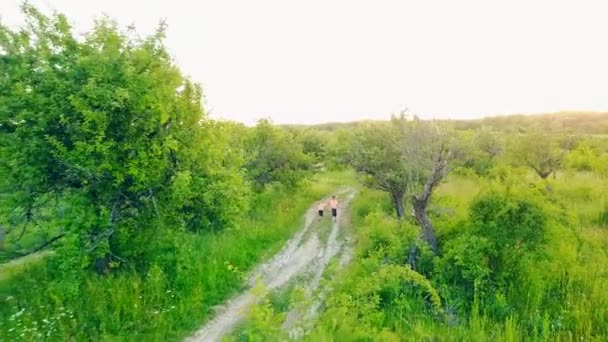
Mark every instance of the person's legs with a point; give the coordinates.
(334, 214)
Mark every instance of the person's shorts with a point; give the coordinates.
(334, 212)
(320, 212)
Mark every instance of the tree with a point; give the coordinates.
(379, 159)
(314, 143)
(109, 126)
(427, 149)
(404, 157)
(538, 151)
(489, 142)
(501, 232)
(339, 148)
(273, 155)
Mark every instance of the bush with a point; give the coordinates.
(484, 263)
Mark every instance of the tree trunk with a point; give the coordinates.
(398, 202)
(421, 200)
(428, 232)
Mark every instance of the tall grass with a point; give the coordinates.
(164, 304)
(564, 296)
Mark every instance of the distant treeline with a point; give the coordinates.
(562, 122)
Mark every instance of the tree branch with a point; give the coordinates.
(42, 246)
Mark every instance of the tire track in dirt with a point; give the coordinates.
(300, 253)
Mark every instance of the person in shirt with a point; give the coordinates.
(321, 207)
(333, 203)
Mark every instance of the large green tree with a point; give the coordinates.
(108, 126)
(407, 156)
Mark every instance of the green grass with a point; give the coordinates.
(168, 304)
(16, 266)
(163, 304)
(565, 295)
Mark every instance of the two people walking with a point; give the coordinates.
(333, 204)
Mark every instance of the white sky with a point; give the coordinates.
(317, 61)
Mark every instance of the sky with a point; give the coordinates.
(319, 61)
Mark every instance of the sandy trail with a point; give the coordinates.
(301, 253)
(296, 320)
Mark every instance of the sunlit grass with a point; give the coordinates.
(163, 304)
(565, 295)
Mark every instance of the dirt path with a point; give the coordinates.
(304, 252)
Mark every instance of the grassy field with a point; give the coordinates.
(164, 304)
(564, 292)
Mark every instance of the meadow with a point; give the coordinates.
(556, 293)
(166, 303)
(127, 213)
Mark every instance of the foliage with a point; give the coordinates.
(174, 296)
(137, 214)
(274, 156)
(314, 143)
(587, 157)
(515, 265)
(479, 150)
(485, 260)
(398, 157)
(377, 156)
(107, 152)
(108, 130)
(577, 123)
(539, 151)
